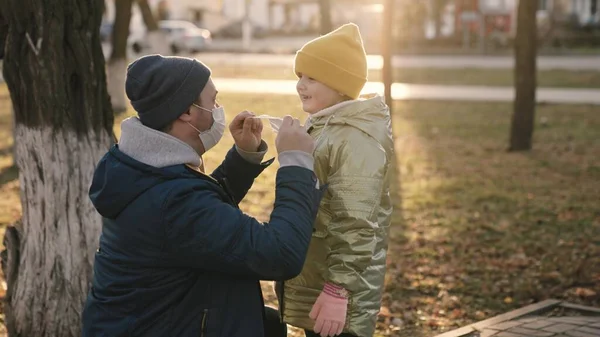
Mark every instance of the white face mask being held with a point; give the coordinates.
(212, 136)
(276, 122)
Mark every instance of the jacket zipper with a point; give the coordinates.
(203, 328)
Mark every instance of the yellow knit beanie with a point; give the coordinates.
(337, 59)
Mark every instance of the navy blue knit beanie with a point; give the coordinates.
(161, 88)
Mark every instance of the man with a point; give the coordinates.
(177, 257)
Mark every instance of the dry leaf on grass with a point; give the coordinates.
(585, 292)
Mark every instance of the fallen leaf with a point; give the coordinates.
(433, 323)
(385, 312)
(508, 300)
(552, 275)
(585, 292)
(457, 313)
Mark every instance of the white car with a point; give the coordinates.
(181, 36)
(185, 36)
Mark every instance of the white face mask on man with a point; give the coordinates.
(213, 135)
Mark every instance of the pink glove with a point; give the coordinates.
(329, 311)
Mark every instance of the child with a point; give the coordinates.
(340, 287)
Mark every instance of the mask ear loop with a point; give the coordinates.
(205, 109)
(193, 127)
(202, 108)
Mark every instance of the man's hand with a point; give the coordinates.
(292, 136)
(246, 131)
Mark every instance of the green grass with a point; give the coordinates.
(469, 76)
(478, 231)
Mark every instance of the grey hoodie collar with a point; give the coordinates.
(154, 148)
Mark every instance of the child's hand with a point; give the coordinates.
(329, 311)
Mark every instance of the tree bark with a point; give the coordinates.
(55, 71)
(525, 77)
(156, 38)
(3, 34)
(117, 65)
(325, 11)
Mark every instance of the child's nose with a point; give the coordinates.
(300, 85)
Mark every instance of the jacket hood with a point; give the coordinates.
(119, 179)
(143, 159)
(369, 114)
(153, 147)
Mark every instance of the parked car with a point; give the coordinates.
(181, 36)
(235, 29)
(186, 36)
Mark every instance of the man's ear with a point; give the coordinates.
(186, 117)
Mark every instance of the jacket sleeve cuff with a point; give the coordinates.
(254, 157)
(335, 291)
(296, 158)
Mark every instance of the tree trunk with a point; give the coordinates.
(388, 80)
(163, 10)
(386, 50)
(325, 10)
(147, 15)
(117, 65)
(54, 68)
(3, 34)
(525, 77)
(156, 38)
(438, 11)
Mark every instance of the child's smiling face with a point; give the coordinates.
(316, 96)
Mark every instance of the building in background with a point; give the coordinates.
(464, 19)
(303, 16)
(585, 13)
(496, 19)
